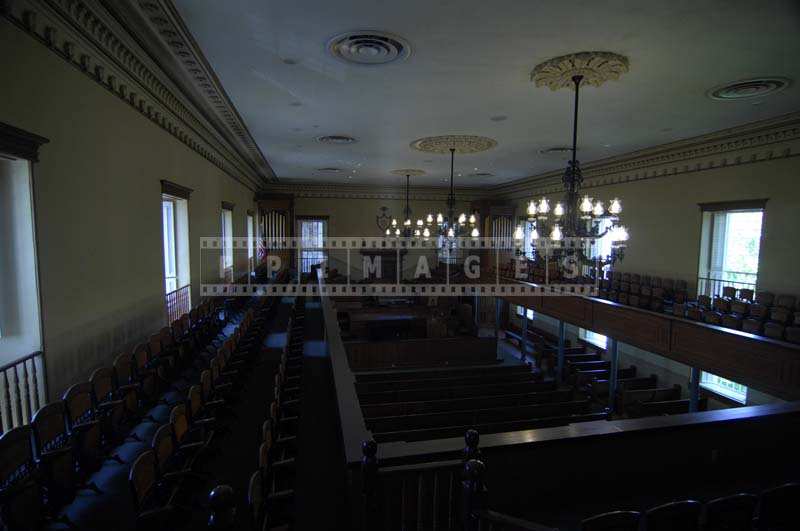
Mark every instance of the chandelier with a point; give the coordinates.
(572, 225)
(450, 226)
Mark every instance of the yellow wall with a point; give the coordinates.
(97, 189)
(664, 220)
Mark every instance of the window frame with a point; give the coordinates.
(172, 251)
(226, 240)
(309, 254)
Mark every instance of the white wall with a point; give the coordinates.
(20, 326)
(98, 206)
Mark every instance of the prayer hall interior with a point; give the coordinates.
(432, 265)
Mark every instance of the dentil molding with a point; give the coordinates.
(752, 143)
(105, 40)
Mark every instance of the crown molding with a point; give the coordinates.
(366, 191)
(751, 143)
(105, 39)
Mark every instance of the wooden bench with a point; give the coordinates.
(462, 404)
(667, 407)
(485, 429)
(477, 416)
(425, 374)
(464, 391)
(599, 388)
(582, 379)
(626, 397)
(401, 385)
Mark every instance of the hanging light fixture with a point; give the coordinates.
(577, 217)
(452, 226)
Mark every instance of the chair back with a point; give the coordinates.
(255, 498)
(180, 423)
(194, 401)
(746, 294)
(164, 447)
(21, 493)
(79, 402)
(765, 298)
(729, 292)
(731, 513)
(786, 301)
(683, 515)
(103, 384)
(143, 478)
(123, 367)
(50, 429)
(774, 330)
(87, 437)
(52, 444)
(752, 326)
(613, 521)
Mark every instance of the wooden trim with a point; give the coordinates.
(227, 206)
(175, 190)
(20, 144)
(321, 218)
(744, 204)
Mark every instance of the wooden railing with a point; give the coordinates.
(23, 390)
(177, 303)
(422, 473)
(768, 365)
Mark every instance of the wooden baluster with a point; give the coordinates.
(24, 402)
(420, 490)
(471, 451)
(41, 380)
(33, 387)
(369, 484)
(5, 401)
(436, 503)
(473, 492)
(13, 392)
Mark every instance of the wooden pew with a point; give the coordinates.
(477, 416)
(668, 407)
(464, 391)
(463, 404)
(599, 388)
(485, 429)
(424, 374)
(400, 385)
(626, 397)
(584, 378)
(588, 356)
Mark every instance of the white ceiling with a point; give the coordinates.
(471, 60)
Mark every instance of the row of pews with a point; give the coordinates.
(587, 372)
(444, 402)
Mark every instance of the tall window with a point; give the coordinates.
(729, 249)
(170, 256)
(312, 232)
(226, 253)
(250, 243)
(598, 340)
(730, 243)
(727, 388)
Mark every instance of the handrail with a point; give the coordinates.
(23, 390)
(353, 428)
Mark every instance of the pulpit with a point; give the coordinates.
(388, 264)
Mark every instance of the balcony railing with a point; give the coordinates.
(22, 390)
(713, 286)
(177, 303)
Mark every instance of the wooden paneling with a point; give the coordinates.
(758, 362)
(644, 329)
(575, 310)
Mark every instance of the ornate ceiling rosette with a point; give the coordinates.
(413, 172)
(463, 144)
(595, 67)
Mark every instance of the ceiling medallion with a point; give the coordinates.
(413, 172)
(369, 48)
(595, 67)
(463, 144)
(337, 139)
(749, 88)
